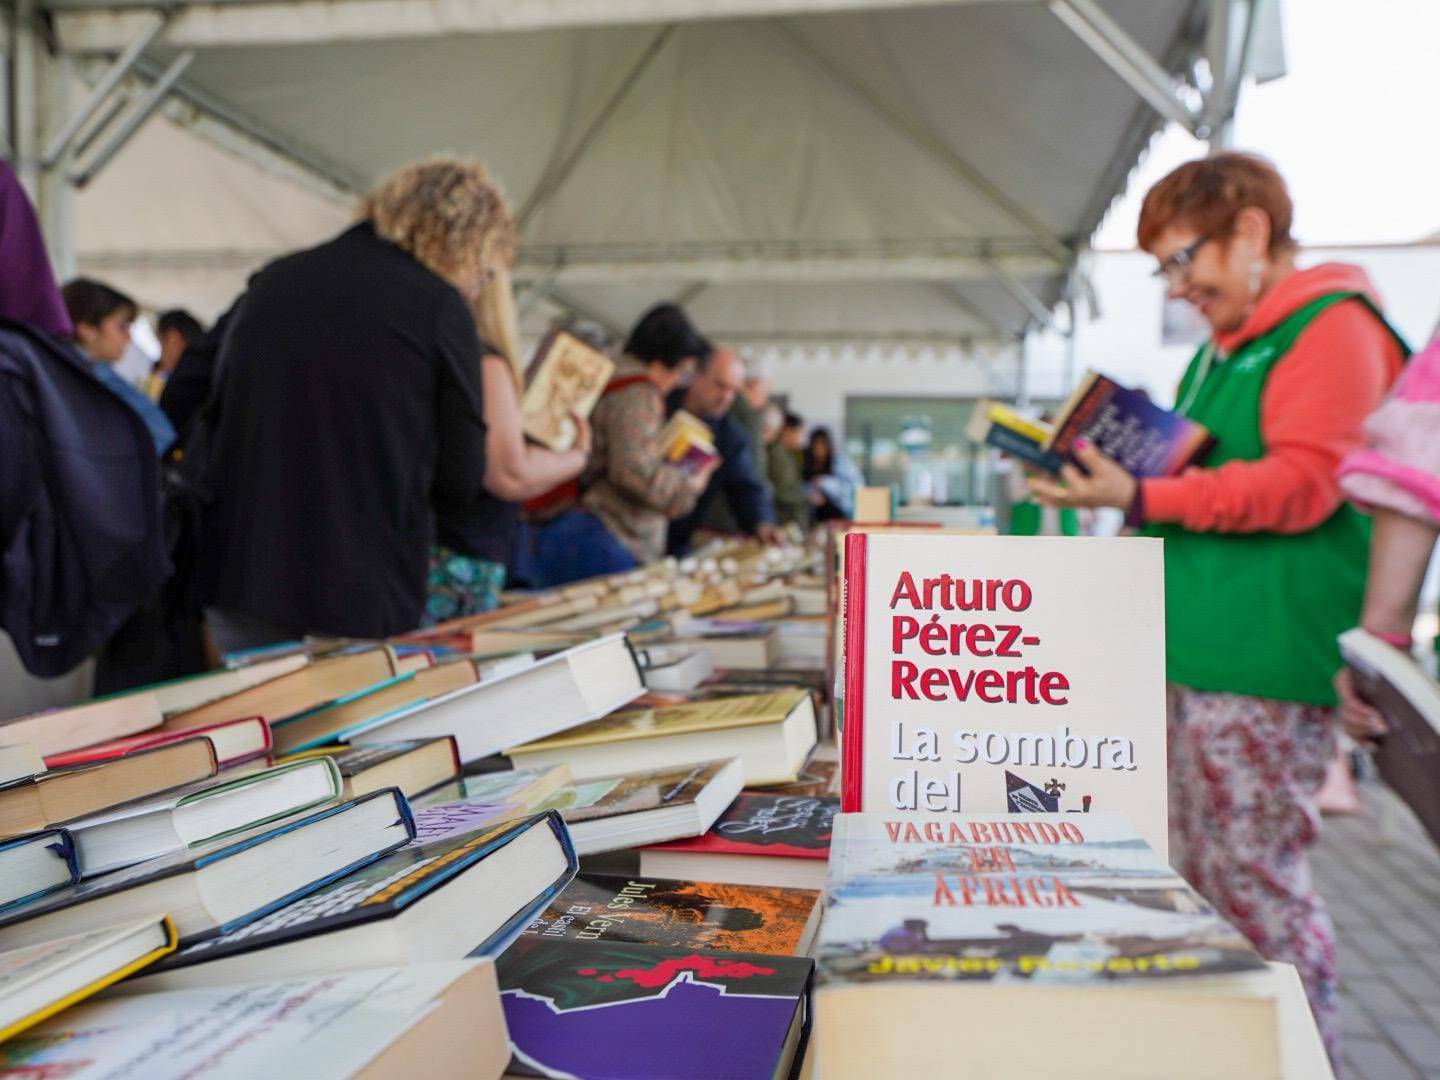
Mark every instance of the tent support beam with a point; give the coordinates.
(568, 303)
(969, 307)
(1023, 296)
(1124, 56)
(104, 86)
(927, 141)
(556, 176)
(144, 108)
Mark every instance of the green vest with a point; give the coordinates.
(1258, 613)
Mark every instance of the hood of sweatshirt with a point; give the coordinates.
(1293, 291)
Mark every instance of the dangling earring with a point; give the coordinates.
(1257, 268)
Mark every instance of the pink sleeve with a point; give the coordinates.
(1399, 467)
(1311, 412)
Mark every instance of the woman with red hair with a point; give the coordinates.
(1264, 559)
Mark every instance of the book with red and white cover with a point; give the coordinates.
(992, 674)
(235, 741)
(762, 839)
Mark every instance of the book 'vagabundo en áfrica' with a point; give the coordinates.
(992, 674)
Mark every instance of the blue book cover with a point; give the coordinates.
(1126, 425)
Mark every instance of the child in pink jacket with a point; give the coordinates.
(1397, 478)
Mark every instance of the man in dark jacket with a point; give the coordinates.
(738, 479)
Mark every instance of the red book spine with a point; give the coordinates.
(852, 734)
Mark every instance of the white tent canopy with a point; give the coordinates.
(832, 171)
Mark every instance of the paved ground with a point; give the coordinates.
(1380, 875)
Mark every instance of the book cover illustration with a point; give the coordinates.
(678, 914)
(615, 795)
(1039, 898)
(1126, 425)
(567, 377)
(713, 715)
(760, 823)
(686, 442)
(617, 1009)
(384, 888)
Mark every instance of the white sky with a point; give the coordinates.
(1354, 127)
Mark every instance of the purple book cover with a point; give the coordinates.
(612, 1009)
(1126, 425)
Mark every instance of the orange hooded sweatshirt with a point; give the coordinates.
(1311, 412)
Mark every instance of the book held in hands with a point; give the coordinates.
(1124, 424)
(567, 376)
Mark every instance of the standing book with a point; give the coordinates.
(993, 674)
(1053, 923)
(566, 379)
(37, 981)
(468, 895)
(220, 886)
(1124, 424)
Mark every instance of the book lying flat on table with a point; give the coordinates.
(608, 1008)
(414, 766)
(222, 885)
(1126, 425)
(551, 695)
(566, 376)
(35, 864)
(646, 807)
(148, 829)
(771, 734)
(737, 646)
(38, 981)
(356, 713)
(685, 441)
(1024, 923)
(463, 896)
(192, 691)
(675, 667)
(761, 839)
(680, 914)
(236, 741)
(522, 788)
(1409, 754)
(58, 730)
(20, 763)
(377, 1024)
(65, 794)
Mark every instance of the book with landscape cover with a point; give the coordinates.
(62, 795)
(645, 807)
(761, 838)
(219, 886)
(37, 981)
(681, 914)
(772, 734)
(686, 441)
(994, 674)
(35, 864)
(467, 895)
(1053, 923)
(1408, 756)
(566, 376)
(1126, 425)
(646, 1012)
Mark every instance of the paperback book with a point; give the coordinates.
(761, 838)
(566, 378)
(1126, 425)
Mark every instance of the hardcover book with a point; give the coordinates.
(995, 674)
(1126, 425)
(1409, 754)
(468, 895)
(415, 766)
(686, 442)
(58, 730)
(36, 864)
(609, 1008)
(681, 914)
(566, 377)
(1053, 923)
(236, 742)
(20, 762)
(219, 886)
(761, 838)
(772, 734)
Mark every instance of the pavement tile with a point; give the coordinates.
(1372, 1059)
(1416, 981)
(1417, 1040)
(1381, 999)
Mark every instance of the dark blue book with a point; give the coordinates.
(219, 886)
(459, 896)
(1126, 425)
(35, 865)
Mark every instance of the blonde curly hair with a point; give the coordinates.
(447, 214)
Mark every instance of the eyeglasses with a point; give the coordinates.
(1176, 269)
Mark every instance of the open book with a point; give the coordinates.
(567, 376)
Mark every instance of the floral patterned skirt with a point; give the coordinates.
(458, 585)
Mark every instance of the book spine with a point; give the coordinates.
(852, 652)
(1016, 445)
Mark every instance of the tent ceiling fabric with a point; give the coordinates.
(849, 172)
